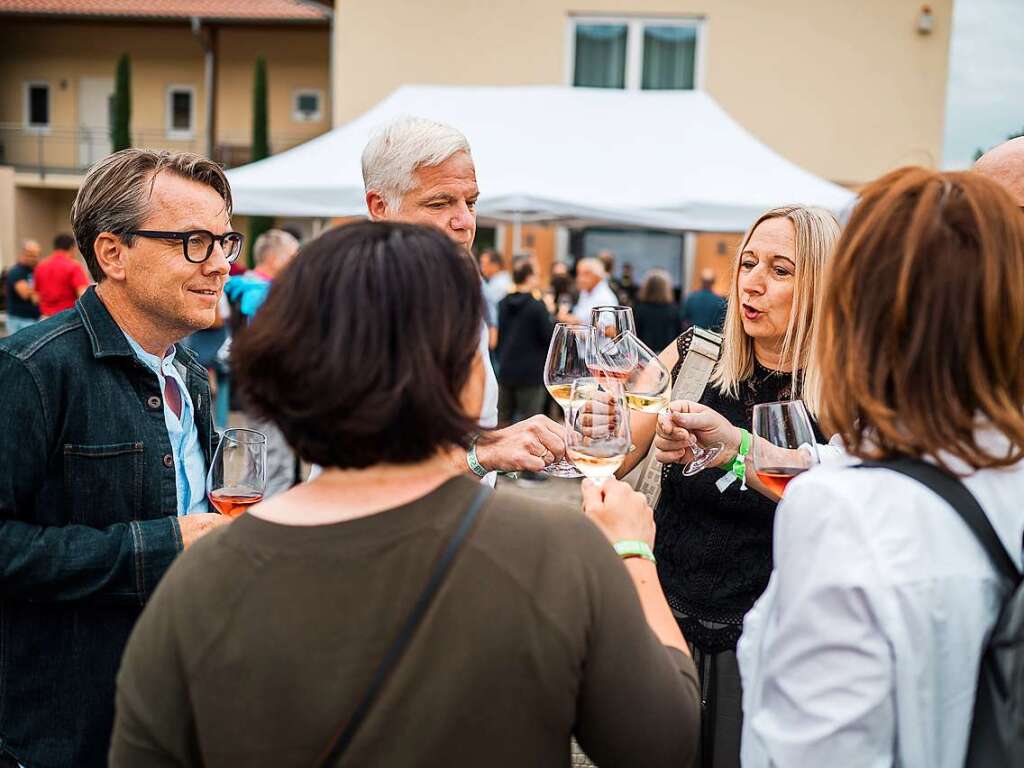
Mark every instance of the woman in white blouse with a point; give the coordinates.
(864, 650)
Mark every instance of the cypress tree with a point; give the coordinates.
(260, 145)
(120, 129)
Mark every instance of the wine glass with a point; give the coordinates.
(783, 443)
(612, 321)
(597, 427)
(237, 478)
(647, 383)
(570, 349)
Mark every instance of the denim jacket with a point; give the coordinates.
(88, 524)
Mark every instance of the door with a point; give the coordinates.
(95, 107)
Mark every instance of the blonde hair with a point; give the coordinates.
(816, 232)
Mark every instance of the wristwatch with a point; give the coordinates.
(474, 464)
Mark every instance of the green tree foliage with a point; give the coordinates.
(260, 145)
(120, 128)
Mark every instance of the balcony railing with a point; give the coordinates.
(66, 149)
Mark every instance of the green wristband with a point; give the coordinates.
(739, 464)
(626, 549)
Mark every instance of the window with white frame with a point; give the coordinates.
(181, 111)
(306, 105)
(634, 53)
(37, 105)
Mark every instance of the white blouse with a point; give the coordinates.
(864, 649)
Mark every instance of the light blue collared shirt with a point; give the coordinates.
(189, 462)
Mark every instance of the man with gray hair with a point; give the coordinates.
(1005, 165)
(421, 172)
(592, 282)
(105, 440)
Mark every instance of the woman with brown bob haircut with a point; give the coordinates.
(865, 648)
(261, 643)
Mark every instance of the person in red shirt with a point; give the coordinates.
(59, 278)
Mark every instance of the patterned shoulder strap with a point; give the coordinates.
(694, 373)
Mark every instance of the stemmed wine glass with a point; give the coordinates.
(648, 388)
(237, 477)
(784, 443)
(597, 427)
(568, 354)
(612, 321)
(647, 384)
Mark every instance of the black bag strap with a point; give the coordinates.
(955, 493)
(344, 737)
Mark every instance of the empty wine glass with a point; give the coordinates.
(597, 427)
(568, 353)
(237, 477)
(612, 321)
(783, 443)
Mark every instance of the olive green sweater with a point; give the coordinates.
(262, 637)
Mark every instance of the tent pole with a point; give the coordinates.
(517, 233)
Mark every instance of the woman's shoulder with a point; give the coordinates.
(867, 512)
(522, 528)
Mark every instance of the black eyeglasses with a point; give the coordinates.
(197, 244)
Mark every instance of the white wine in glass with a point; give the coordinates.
(597, 428)
(647, 383)
(570, 348)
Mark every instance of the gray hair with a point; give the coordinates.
(273, 241)
(593, 264)
(401, 146)
(114, 197)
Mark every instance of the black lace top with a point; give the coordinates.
(714, 549)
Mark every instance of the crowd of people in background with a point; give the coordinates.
(521, 309)
(847, 622)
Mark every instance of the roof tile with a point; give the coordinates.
(263, 10)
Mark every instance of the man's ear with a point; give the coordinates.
(376, 205)
(110, 254)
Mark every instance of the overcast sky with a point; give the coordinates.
(985, 98)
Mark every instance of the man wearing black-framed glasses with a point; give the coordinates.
(107, 437)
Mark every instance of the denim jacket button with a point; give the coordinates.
(168, 460)
(154, 402)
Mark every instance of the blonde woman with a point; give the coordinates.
(714, 547)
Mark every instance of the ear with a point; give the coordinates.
(111, 255)
(376, 206)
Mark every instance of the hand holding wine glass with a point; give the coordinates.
(784, 444)
(237, 477)
(569, 353)
(597, 427)
(676, 442)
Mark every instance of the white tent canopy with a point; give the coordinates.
(659, 159)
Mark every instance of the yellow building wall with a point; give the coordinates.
(716, 252)
(161, 56)
(845, 89)
(42, 214)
